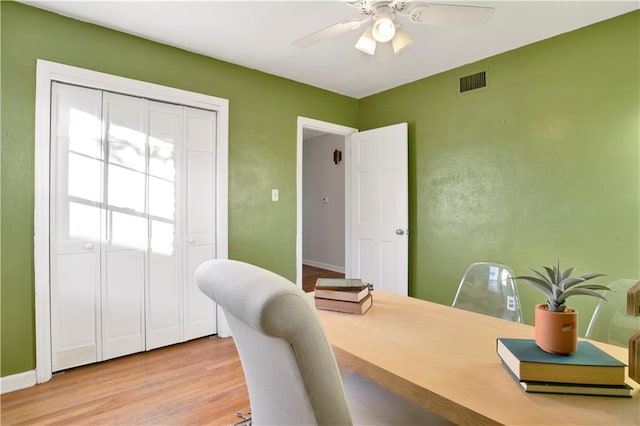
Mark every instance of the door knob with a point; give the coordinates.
(399, 231)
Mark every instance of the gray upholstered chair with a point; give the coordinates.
(291, 372)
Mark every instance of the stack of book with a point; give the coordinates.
(588, 371)
(349, 295)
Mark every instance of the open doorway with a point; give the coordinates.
(321, 193)
(323, 206)
(376, 207)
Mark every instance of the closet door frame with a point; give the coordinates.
(46, 73)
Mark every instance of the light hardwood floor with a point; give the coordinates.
(194, 383)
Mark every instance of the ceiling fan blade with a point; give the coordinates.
(449, 15)
(331, 31)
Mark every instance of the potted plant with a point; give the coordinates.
(556, 324)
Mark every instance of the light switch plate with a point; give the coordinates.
(275, 195)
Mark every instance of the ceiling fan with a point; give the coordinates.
(382, 20)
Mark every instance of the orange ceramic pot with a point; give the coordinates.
(556, 332)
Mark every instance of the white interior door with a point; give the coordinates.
(379, 217)
(76, 133)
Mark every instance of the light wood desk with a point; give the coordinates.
(445, 359)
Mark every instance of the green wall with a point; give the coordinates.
(262, 146)
(543, 164)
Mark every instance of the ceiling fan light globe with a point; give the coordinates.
(383, 28)
(401, 41)
(366, 43)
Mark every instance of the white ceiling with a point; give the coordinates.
(258, 35)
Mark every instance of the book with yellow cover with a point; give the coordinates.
(623, 390)
(347, 307)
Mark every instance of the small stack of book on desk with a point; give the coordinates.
(349, 295)
(588, 371)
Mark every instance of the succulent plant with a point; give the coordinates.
(557, 286)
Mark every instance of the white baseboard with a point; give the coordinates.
(321, 265)
(17, 381)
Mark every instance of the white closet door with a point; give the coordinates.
(133, 214)
(200, 143)
(123, 278)
(76, 182)
(164, 312)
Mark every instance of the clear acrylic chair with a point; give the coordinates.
(489, 288)
(610, 322)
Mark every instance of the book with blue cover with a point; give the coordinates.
(589, 365)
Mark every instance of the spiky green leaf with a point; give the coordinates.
(538, 283)
(551, 273)
(578, 292)
(591, 276)
(543, 282)
(567, 283)
(542, 277)
(566, 274)
(595, 287)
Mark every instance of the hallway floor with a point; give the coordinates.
(310, 274)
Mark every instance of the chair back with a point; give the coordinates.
(489, 288)
(290, 369)
(610, 322)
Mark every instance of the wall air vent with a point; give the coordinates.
(473, 81)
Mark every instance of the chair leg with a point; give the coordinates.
(246, 418)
